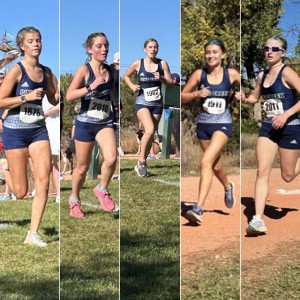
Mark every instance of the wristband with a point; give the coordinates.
(23, 98)
(88, 87)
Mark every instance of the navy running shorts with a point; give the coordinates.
(86, 132)
(206, 130)
(287, 137)
(21, 138)
(154, 110)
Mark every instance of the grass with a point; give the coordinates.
(281, 284)
(214, 278)
(28, 272)
(248, 152)
(273, 276)
(89, 247)
(150, 231)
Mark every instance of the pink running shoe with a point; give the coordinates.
(75, 209)
(105, 199)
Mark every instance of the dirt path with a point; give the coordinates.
(221, 226)
(282, 216)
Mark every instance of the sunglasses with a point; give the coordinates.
(273, 49)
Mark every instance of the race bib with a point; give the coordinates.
(99, 109)
(214, 106)
(31, 113)
(273, 107)
(152, 94)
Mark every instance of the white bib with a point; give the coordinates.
(214, 106)
(273, 107)
(31, 113)
(99, 109)
(152, 94)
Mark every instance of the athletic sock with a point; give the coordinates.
(101, 189)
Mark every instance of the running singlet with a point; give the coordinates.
(277, 99)
(150, 92)
(30, 114)
(214, 108)
(96, 107)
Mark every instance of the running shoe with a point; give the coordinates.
(75, 209)
(195, 214)
(34, 239)
(229, 196)
(141, 169)
(120, 151)
(256, 226)
(151, 157)
(5, 197)
(177, 155)
(105, 199)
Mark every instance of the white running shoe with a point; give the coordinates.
(256, 226)
(34, 239)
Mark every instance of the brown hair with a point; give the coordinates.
(150, 40)
(90, 40)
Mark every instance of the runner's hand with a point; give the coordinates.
(36, 94)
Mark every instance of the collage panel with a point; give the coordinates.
(150, 169)
(150, 150)
(210, 150)
(270, 135)
(89, 226)
(29, 126)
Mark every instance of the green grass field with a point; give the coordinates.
(213, 278)
(89, 252)
(28, 272)
(150, 231)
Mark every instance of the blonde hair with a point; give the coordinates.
(21, 35)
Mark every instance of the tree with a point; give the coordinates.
(68, 115)
(201, 21)
(260, 19)
(128, 116)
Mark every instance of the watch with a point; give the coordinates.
(23, 98)
(88, 87)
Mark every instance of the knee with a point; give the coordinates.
(217, 167)
(20, 192)
(110, 161)
(206, 164)
(149, 132)
(82, 169)
(262, 173)
(287, 177)
(42, 182)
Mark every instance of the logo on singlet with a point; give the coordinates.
(25, 84)
(293, 142)
(142, 74)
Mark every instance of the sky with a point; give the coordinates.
(78, 19)
(142, 19)
(139, 20)
(43, 15)
(290, 19)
